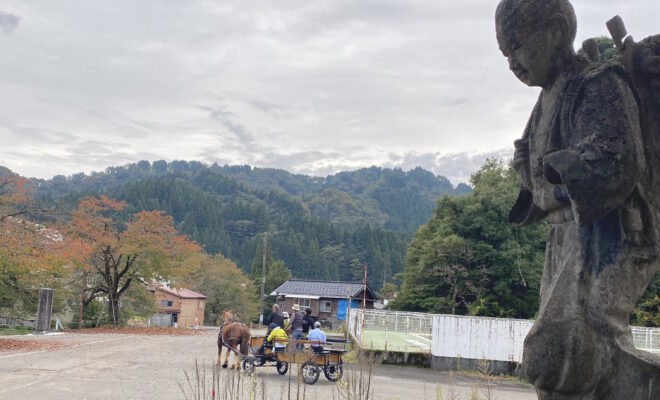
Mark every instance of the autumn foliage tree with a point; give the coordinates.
(31, 254)
(116, 252)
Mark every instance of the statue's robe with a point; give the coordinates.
(582, 174)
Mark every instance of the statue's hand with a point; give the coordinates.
(521, 153)
(559, 163)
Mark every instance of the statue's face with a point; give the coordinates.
(533, 57)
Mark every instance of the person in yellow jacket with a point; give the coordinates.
(278, 333)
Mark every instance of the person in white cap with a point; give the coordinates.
(296, 324)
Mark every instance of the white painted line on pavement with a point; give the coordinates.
(418, 344)
(98, 341)
(421, 337)
(65, 347)
(26, 385)
(23, 354)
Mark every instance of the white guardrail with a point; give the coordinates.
(454, 335)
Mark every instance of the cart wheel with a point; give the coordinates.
(282, 367)
(310, 372)
(333, 372)
(249, 366)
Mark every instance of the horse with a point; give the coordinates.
(234, 335)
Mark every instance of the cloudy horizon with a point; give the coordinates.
(309, 87)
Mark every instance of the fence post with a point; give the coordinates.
(396, 322)
(387, 322)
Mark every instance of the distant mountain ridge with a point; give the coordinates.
(384, 197)
(322, 228)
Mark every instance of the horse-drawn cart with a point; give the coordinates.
(330, 359)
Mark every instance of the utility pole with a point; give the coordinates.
(263, 280)
(364, 300)
(364, 290)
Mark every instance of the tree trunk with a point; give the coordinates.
(113, 309)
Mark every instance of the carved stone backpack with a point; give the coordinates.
(640, 62)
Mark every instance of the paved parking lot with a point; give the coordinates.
(131, 366)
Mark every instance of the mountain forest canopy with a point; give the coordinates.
(316, 226)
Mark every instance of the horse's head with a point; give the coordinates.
(227, 316)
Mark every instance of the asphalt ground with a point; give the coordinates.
(133, 366)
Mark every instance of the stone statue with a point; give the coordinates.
(582, 158)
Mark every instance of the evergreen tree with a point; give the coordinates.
(467, 259)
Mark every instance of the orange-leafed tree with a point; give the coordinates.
(145, 247)
(32, 254)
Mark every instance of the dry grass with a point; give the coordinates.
(213, 383)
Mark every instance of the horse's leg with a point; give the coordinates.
(245, 345)
(240, 353)
(237, 363)
(219, 349)
(224, 364)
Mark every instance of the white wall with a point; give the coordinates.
(479, 337)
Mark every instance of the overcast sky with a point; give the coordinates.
(313, 87)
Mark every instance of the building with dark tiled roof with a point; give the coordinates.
(328, 300)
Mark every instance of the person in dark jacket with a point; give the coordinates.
(276, 318)
(308, 321)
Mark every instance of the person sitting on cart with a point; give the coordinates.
(277, 337)
(318, 337)
(275, 333)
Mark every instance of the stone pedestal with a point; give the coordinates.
(44, 310)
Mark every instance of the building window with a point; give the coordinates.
(166, 303)
(303, 303)
(325, 306)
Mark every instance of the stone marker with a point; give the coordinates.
(583, 162)
(44, 310)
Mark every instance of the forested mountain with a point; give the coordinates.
(322, 228)
(380, 197)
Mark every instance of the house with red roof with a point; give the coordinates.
(178, 307)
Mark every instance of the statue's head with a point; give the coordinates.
(535, 36)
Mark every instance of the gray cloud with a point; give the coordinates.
(8, 22)
(311, 87)
(457, 167)
(227, 120)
